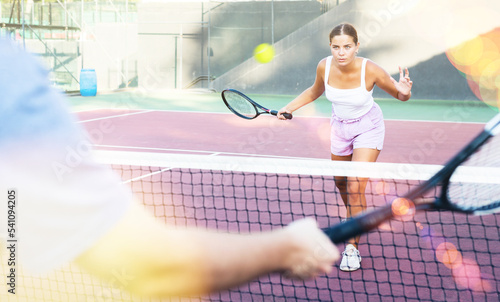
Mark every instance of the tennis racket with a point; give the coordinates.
(470, 198)
(245, 107)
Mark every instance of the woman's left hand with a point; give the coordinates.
(404, 85)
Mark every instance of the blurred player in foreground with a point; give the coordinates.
(71, 209)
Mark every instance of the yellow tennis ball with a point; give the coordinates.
(263, 53)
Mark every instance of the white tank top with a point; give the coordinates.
(349, 103)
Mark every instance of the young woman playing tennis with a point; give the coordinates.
(357, 122)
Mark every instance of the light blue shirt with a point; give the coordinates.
(66, 201)
(29, 106)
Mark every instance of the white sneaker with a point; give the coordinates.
(351, 260)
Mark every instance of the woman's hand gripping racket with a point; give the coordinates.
(471, 198)
(245, 107)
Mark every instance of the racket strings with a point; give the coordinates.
(240, 104)
(477, 194)
(487, 156)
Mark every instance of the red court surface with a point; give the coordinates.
(215, 133)
(398, 259)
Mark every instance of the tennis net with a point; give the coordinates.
(431, 256)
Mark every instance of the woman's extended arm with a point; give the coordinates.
(308, 95)
(400, 90)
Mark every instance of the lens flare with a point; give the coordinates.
(466, 54)
(403, 208)
(478, 59)
(447, 253)
(467, 274)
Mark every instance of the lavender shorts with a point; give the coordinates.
(367, 131)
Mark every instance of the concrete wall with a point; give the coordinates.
(180, 41)
(237, 28)
(293, 67)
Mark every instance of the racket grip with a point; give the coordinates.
(358, 225)
(343, 231)
(288, 116)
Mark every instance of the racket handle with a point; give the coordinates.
(343, 231)
(288, 116)
(358, 225)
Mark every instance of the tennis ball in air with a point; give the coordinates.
(263, 53)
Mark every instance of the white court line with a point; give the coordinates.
(297, 116)
(146, 175)
(114, 116)
(209, 153)
(156, 149)
(158, 172)
(433, 121)
(87, 110)
(112, 108)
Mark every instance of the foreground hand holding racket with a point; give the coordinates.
(477, 198)
(245, 107)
